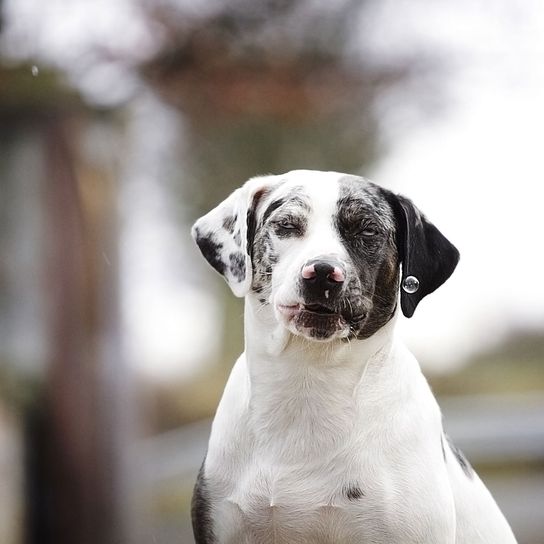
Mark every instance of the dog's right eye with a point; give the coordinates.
(287, 227)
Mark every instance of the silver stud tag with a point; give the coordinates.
(410, 284)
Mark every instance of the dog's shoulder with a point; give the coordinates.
(478, 518)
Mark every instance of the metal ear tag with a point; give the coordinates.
(410, 284)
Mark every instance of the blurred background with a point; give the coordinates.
(121, 122)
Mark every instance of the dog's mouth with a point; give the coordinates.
(314, 308)
(320, 321)
(319, 309)
(322, 310)
(314, 320)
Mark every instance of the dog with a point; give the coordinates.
(327, 432)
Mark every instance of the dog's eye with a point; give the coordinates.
(369, 231)
(285, 224)
(288, 227)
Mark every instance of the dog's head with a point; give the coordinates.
(324, 250)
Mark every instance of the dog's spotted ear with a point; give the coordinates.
(425, 253)
(225, 234)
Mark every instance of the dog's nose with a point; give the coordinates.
(323, 271)
(323, 274)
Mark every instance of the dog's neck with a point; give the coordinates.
(305, 395)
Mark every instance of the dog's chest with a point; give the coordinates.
(315, 466)
(338, 503)
(280, 505)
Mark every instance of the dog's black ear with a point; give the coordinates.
(424, 252)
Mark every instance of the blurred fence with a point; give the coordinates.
(495, 432)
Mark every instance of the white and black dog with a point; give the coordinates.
(327, 432)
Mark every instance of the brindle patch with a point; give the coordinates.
(366, 226)
(291, 207)
(295, 200)
(264, 257)
(238, 265)
(228, 223)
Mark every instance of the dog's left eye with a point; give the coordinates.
(369, 231)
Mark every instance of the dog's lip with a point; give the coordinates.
(291, 310)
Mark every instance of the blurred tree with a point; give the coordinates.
(71, 417)
(267, 86)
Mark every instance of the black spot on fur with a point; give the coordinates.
(238, 265)
(461, 459)
(294, 200)
(353, 492)
(211, 250)
(251, 220)
(271, 208)
(201, 511)
(228, 224)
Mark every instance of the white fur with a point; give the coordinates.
(300, 421)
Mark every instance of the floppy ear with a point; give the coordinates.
(225, 234)
(425, 253)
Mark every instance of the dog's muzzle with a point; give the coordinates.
(330, 304)
(321, 283)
